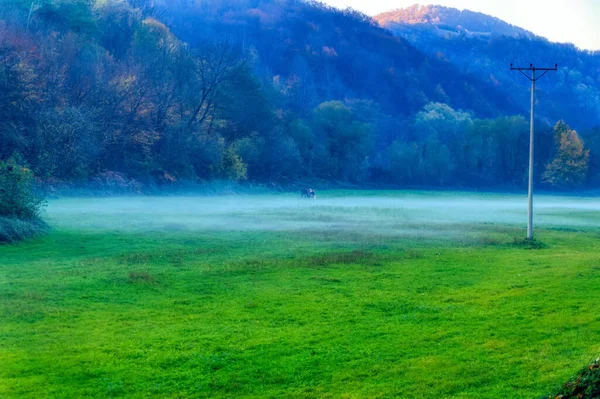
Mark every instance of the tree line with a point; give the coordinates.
(105, 92)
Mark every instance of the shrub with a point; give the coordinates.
(13, 230)
(18, 197)
(585, 384)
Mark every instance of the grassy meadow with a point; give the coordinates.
(352, 295)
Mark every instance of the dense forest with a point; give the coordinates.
(484, 46)
(138, 94)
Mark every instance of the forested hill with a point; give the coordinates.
(484, 46)
(448, 22)
(332, 54)
(138, 93)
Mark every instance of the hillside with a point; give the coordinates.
(448, 22)
(483, 46)
(135, 94)
(333, 54)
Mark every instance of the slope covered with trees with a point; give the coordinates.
(484, 46)
(137, 93)
(330, 54)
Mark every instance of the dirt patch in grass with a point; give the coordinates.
(528, 244)
(141, 278)
(341, 258)
(325, 279)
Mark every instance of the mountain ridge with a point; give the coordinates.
(319, 40)
(448, 19)
(484, 46)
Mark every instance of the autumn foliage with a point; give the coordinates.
(569, 168)
(136, 94)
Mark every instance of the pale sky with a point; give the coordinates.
(565, 21)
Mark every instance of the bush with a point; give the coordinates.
(585, 384)
(18, 197)
(13, 230)
(20, 204)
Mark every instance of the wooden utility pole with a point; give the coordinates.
(533, 78)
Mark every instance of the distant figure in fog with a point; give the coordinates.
(308, 193)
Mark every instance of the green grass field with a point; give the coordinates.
(354, 295)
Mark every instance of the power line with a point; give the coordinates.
(533, 78)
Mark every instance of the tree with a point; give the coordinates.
(18, 198)
(495, 151)
(215, 66)
(592, 141)
(64, 145)
(18, 88)
(437, 162)
(304, 138)
(570, 165)
(405, 162)
(440, 130)
(282, 158)
(442, 120)
(347, 140)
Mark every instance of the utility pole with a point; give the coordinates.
(533, 78)
(30, 13)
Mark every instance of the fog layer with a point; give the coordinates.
(381, 213)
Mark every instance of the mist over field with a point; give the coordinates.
(401, 213)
